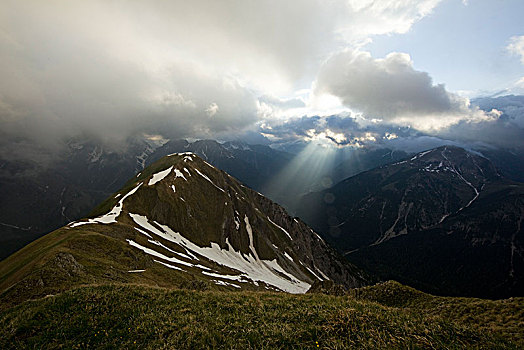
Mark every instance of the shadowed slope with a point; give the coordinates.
(444, 221)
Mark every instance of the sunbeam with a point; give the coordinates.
(310, 170)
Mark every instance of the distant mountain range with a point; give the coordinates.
(275, 173)
(36, 199)
(444, 220)
(181, 221)
(447, 220)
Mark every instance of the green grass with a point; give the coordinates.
(504, 317)
(143, 317)
(102, 258)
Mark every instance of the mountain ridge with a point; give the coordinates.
(401, 220)
(179, 221)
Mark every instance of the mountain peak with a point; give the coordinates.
(182, 219)
(472, 168)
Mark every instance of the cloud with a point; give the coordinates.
(282, 103)
(392, 89)
(371, 17)
(112, 69)
(72, 67)
(516, 47)
(505, 130)
(334, 130)
(212, 110)
(510, 107)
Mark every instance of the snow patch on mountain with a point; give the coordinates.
(280, 227)
(159, 176)
(178, 173)
(250, 266)
(222, 283)
(111, 216)
(208, 179)
(421, 154)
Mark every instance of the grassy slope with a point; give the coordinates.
(67, 258)
(140, 317)
(504, 317)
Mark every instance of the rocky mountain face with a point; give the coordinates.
(510, 163)
(180, 222)
(443, 220)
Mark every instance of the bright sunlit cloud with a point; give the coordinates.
(391, 89)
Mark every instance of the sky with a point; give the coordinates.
(356, 72)
(473, 36)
